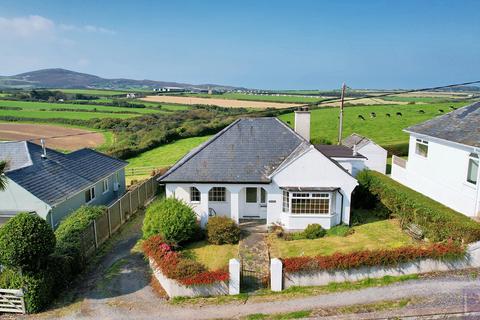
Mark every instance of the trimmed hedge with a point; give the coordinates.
(174, 266)
(369, 258)
(222, 230)
(171, 218)
(26, 241)
(437, 221)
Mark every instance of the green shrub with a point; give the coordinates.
(26, 240)
(222, 230)
(39, 288)
(171, 218)
(436, 220)
(314, 231)
(69, 234)
(342, 230)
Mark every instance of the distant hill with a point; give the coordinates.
(67, 79)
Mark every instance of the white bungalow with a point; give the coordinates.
(259, 168)
(443, 160)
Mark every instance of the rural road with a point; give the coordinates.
(118, 288)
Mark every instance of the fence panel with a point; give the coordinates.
(11, 301)
(115, 217)
(141, 195)
(135, 200)
(125, 204)
(102, 228)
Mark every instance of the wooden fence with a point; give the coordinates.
(139, 171)
(102, 228)
(12, 301)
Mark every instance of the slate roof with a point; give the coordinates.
(247, 151)
(460, 126)
(336, 151)
(15, 154)
(355, 139)
(60, 176)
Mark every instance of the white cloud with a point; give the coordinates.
(86, 28)
(26, 26)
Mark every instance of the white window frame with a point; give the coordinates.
(214, 193)
(290, 196)
(92, 191)
(423, 143)
(105, 186)
(264, 192)
(192, 190)
(473, 157)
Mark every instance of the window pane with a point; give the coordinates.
(93, 192)
(285, 201)
(216, 194)
(263, 195)
(311, 206)
(421, 149)
(251, 195)
(472, 171)
(87, 196)
(194, 194)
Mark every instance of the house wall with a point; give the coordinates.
(16, 199)
(312, 169)
(65, 208)
(441, 175)
(376, 157)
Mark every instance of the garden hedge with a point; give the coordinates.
(369, 258)
(437, 221)
(222, 230)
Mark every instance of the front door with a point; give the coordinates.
(255, 203)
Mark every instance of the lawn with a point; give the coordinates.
(383, 234)
(166, 155)
(63, 114)
(382, 129)
(212, 256)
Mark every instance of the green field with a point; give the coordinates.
(257, 97)
(166, 155)
(382, 129)
(94, 92)
(34, 110)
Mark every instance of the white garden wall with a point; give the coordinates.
(423, 266)
(175, 289)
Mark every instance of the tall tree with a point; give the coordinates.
(3, 178)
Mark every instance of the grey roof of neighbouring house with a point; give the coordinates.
(336, 151)
(59, 176)
(460, 126)
(355, 139)
(247, 151)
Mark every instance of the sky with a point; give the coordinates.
(256, 44)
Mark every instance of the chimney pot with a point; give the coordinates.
(44, 150)
(302, 122)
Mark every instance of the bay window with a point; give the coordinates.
(306, 202)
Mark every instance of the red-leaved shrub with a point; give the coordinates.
(174, 266)
(368, 258)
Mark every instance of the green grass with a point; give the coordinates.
(257, 97)
(212, 256)
(382, 129)
(63, 114)
(438, 99)
(166, 155)
(94, 92)
(383, 234)
(296, 292)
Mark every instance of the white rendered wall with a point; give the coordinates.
(376, 157)
(16, 198)
(441, 176)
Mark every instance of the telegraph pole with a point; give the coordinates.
(340, 127)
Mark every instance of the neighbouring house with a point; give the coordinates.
(443, 159)
(53, 184)
(349, 159)
(259, 168)
(376, 156)
(131, 95)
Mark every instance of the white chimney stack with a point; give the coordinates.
(44, 150)
(355, 150)
(302, 122)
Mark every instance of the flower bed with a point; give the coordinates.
(174, 266)
(368, 258)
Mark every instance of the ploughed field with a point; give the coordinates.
(72, 138)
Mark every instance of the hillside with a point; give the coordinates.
(62, 78)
